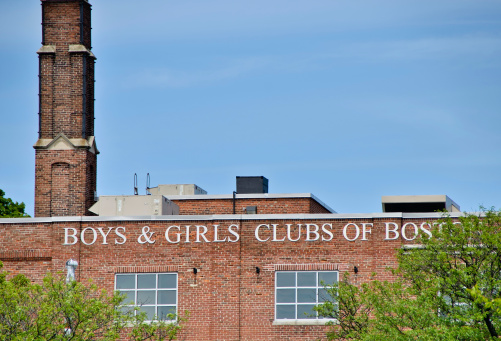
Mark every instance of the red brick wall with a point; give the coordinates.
(65, 182)
(315, 207)
(26, 249)
(264, 206)
(227, 299)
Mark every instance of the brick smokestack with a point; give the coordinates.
(65, 161)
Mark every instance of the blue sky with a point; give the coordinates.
(348, 100)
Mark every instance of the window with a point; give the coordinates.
(297, 292)
(155, 294)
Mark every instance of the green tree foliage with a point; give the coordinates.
(56, 310)
(446, 288)
(11, 209)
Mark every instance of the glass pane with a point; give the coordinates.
(164, 311)
(150, 312)
(147, 281)
(306, 279)
(327, 278)
(145, 297)
(323, 296)
(126, 282)
(129, 297)
(286, 295)
(166, 297)
(126, 310)
(307, 295)
(305, 311)
(286, 312)
(286, 279)
(167, 281)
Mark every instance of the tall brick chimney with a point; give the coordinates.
(65, 164)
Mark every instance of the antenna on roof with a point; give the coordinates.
(148, 184)
(135, 184)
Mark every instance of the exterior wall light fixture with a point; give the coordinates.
(71, 266)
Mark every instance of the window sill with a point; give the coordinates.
(131, 325)
(305, 322)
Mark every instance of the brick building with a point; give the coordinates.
(247, 265)
(241, 277)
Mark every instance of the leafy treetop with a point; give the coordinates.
(11, 209)
(446, 288)
(56, 310)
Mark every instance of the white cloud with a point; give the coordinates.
(201, 19)
(465, 51)
(167, 77)
(448, 48)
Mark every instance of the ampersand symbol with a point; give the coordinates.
(146, 236)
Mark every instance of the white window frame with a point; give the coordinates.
(313, 320)
(135, 290)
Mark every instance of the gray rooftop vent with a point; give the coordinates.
(252, 184)
(178, 189)
(418, 203)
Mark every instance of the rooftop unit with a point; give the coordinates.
(418, 203)
(252, 184)
(185, 189)
(134, 205)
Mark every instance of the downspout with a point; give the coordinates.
(80, 253)
(84, 95)
(43, 24)
(40, 96)
(81, 23)
(40, 77)
(84, 75)
(234, 200)
(240, 281)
